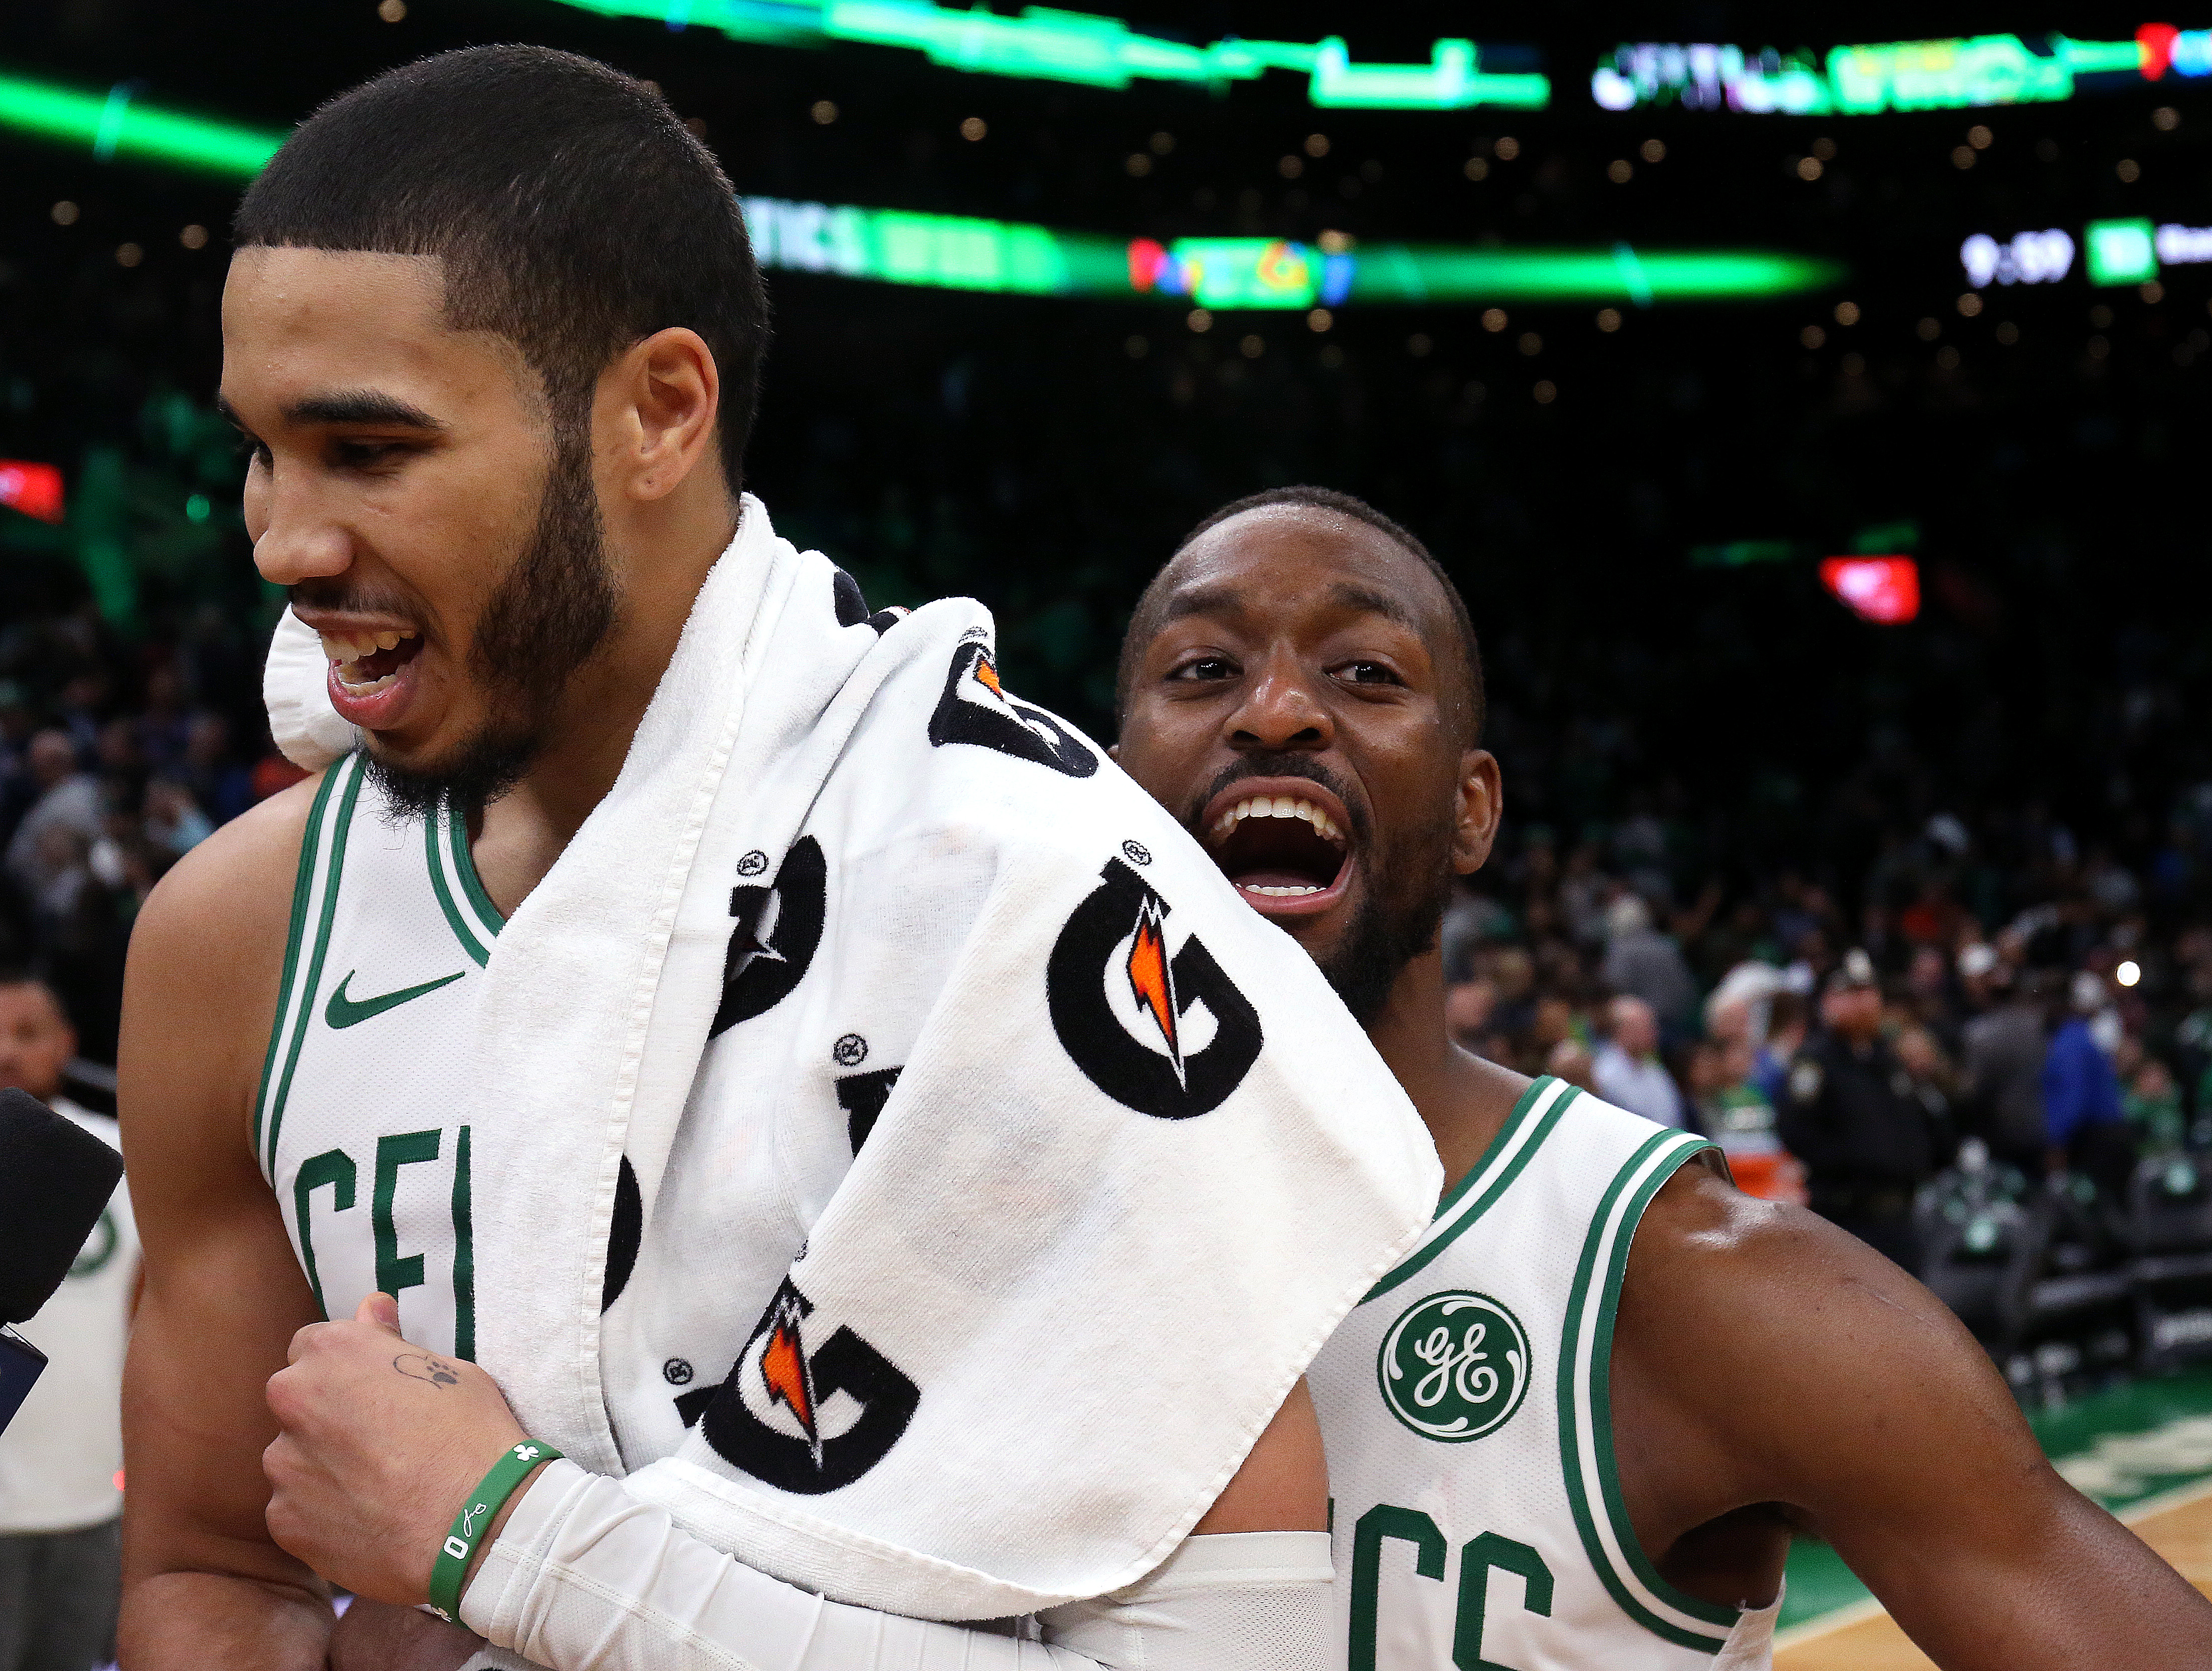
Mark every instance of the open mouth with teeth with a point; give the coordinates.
(366, 663)
(1280, 849)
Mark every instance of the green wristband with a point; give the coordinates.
(475, 1519)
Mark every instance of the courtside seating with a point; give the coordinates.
(1979, 1244)
(2170, 1225)
(2043, 1274)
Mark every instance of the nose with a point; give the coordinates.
(1280, 711)
(294, 540)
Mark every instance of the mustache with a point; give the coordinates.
(332, 593)
(1282, 764)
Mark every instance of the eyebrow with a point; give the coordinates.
(344, 406)
(1223, 599)
(1384, 604)
(1202, 600)
(360, 406)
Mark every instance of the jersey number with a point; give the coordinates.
(1476, 1557)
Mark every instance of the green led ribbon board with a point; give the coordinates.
(961, 252)
(1045, 44)
(949, 252)
(1967, 74)
(115, 124)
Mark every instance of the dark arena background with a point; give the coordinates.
(1812, 403)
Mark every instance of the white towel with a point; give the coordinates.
(1122, 1160)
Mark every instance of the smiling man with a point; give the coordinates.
(698, 1036)
(1578, 1424)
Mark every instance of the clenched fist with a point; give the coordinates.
(381, 1442)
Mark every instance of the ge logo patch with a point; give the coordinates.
(850, 1050)
(753, 862)
(1166, 1035)
(1454, 1367)
(974, 708)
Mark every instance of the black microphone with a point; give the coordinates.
(55, 1179)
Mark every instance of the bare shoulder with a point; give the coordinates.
(206, 957)
(1709, 1253)
(1805, 1356)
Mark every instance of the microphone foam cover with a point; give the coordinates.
(55, 1177)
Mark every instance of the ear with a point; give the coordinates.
(1480, 803)
(1114, 752)
(656, 408)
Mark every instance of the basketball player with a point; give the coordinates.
(492, 337)
(1579, 1424)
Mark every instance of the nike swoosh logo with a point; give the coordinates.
(343, 1011)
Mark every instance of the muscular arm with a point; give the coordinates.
(203, 1582)
(1769, 1369)
(374, 1459)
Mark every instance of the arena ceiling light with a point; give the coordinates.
(1047, 44)
(33, 489)
(1883, 590)
(115, 123)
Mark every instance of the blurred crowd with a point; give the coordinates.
(1997, 985)
(2011, 981)
(116, 759)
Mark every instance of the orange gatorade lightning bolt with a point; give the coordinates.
(783, 1368)
(1151, 979)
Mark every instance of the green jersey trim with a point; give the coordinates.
(314, 898)
(1586, 1409)
(303, 882)
(1531, 1122)
(475, 920)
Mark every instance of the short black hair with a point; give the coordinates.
(22, 975)
(574, 215)
(1144, 619)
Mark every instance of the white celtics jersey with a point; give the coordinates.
(362, 1125)
(1477, 1517)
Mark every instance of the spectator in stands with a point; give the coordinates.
(1626, 1067)
(1570, 1060)
(2002, 1069)
(1644, 964)
(2152, 1107)
(174, 821)
(61, 1499)
(1852, 1116)
(68, 801)
(1934, 1082)
(1785, 1037)
(1740, 1008)
(18, 789)
(1737, 1115)
(1468, 1005)
(2083, 1123)
(219, 786)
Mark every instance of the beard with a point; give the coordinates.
(547, 618)
(1388, 931)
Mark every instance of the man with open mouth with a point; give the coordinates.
(559, 1128)
(1580, 1422)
